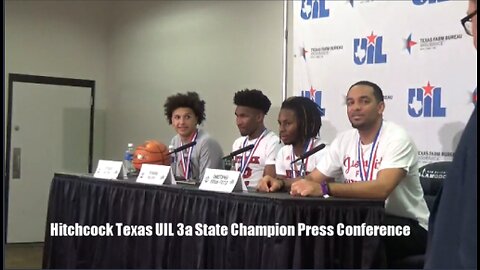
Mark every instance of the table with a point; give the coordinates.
(89, 201)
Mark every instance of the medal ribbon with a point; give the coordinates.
(187, 157)
(368, 174)
(246, 159)
(308, 146)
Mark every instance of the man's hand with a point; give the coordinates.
(270, 184)
(306, 188)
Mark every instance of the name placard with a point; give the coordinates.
(156, 175)
(222, 181)
(108, 169)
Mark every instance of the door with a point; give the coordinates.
(50, 130)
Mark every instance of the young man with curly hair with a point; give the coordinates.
(185, 112)
(252, 106)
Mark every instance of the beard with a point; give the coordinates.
(362, 125)
(357, 126)
(244, 132)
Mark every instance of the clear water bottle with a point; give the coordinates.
(128, 160)
(173, 163)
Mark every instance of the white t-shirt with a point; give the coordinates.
(264, 154)
(284, 159)
(393, 149)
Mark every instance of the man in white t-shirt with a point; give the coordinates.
(378, 161)
(252, 106)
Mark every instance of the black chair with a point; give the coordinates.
(431, 179)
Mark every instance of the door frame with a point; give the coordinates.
(37, 79)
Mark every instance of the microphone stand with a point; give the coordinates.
(173, 165)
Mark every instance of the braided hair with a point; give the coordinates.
(308, 115)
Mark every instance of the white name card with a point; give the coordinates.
(156, 175)
(222, 181)
(108, 169)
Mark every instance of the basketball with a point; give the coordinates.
(151, 152)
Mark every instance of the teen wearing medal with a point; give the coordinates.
(185, 112)
(299, 126)
(252, 106)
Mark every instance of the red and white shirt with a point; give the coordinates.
(264, 153)
(285, 155)
(393, 149)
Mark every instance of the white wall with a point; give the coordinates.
(61, 39)
(140, 52)
(216, 48)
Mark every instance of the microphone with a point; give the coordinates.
(239, 151)
(183, 147)
(309, 153)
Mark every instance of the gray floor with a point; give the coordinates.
(23, 256)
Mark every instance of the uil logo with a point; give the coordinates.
(314, 9)
(368, 50)
(422, 2)
(315, 96)
(426, 101)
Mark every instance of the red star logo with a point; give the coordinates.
(312, 93)
(304, 53)
(428, 89)
(371, 38)
(411, 43)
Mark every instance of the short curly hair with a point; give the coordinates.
(252, 98)
(190, 100)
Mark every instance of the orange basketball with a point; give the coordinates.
(151, 152)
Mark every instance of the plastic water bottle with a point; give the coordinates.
(128, 160)
(173, 163)
(227, 163)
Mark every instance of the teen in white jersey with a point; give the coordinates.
(378, 161)
(252, 106)
(299, 123)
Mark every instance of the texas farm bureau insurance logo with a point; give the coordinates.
(426, 101)
(314, 9)
(368, 50)
(423, 2)
(320, 52)
(428, 43)
(316, 96)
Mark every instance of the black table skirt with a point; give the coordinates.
(88, 201)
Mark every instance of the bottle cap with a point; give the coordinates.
(130, 145)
